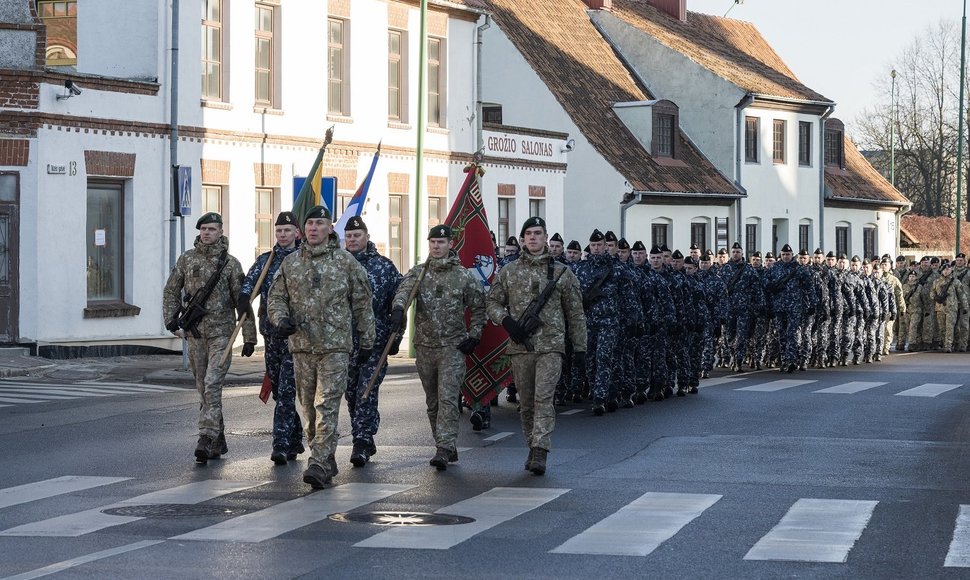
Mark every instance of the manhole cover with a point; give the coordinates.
(401, 518)
(171, 510)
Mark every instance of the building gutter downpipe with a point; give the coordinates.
(740, 107)
(479, 48)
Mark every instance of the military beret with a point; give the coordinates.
(638, 246)
(689, 261)
(961, 255)
(693, 247)
(609, 236)
(855, 259)
(586, 249)
(655, 249)
(769, 256)
(831, 254)
(677, 255)
(803, 252)
(934, 260)
(556, 238)
(924, 259)
(786, 248)
(317, 211)
(512, 241)
(664, 248)
(286, 218)
(900, 258)
(574, 245)
(886, 261)
(818, 251)
(355, 223)
(623, 244)
(722, 252)
(532, 222)
(440, 231)
(736, 246)
(208, 218)
(756, 254)
(887, 257)
(706, 257)
(842, 256)
(946, 265)
(596, 236)
(709, 252)
(865, 261)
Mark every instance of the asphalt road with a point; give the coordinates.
(857, 472)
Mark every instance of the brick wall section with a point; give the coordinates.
(19, 90)
(215, 172)
(437, 24)
(506, 189)
(342, 164)
(537, 191)
(109, 163)
(397, 15)
(268, 174)
(437, 186)
(14, 152)
(339, 8)
(398, 183)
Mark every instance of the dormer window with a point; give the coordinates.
(664, 123)
(834, 152)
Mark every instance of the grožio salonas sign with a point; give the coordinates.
(531, 147)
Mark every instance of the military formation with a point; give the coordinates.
(612, 325)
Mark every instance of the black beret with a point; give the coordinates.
(842, 256)
(677, 255)
(865, 262)
(756, 254)
(693, 247)
(664, 248)
(556, 238)
(855, 259)
(736, 246)
(638, 246)
(609, 236)
(819, 251)
(769, 256)
(208, 218)
(803, 252)
(709, 252)
(317, 211)
(887, 257)
(831, 254)
(722, 252)
(924, 259)
(596, 236)
(946, 265)
(934, 260)
(512, 241)
(440, 231)
(586, 249)
(656, 249)
(532, 222)
(689, 261)
(286, 218)
(574, 245)
(961, 255)
(786, 248)
(355, 223)
(900, 258)
(623, 244)
(705, 257)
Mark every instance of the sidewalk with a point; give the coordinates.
(153, 369)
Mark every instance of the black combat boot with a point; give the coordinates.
(627, 402)
(219, 446)
(692, 390)
(639, 397)
(359, 455)
(332, 465)
(478, 420)
(681, 391)
(538, 465)
(202, 449)
(296, 450)
(317, 476)
(528, 461)
(598, 408)
(611, 405)
(278, 456)
(511, 394)
(440, 459)
(453, 456)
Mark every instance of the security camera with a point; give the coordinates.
(570, 145)
(69, 85)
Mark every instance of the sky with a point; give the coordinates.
(838, 48)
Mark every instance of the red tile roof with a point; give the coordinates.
(580, 68)
(860, 180)
(731, 49)
(934, 233)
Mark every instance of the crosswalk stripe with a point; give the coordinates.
(929, 390)
(776, 385)
(498, 436)
(489, 509)
(133, 385)
(639, 527)
(851, 388)
(815, 530)
(18, 400)
(87, 521)
(958, 556)
(290, 515)
(73, 393)
(45, 397)
(572, 411)
(51, 487)
(719, 381)
(74, 562)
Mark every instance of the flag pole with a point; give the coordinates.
(419, 148)
(963, 68)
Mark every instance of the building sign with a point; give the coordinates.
(524, 147)
(185, 190)
(56, 169)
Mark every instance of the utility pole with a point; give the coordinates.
(963, 73)
(892, 131)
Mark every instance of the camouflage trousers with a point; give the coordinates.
(441, 370)
(834, 344)
(739, 331)
(657, 348)
(643, 367)
(946, 322)
(849, 325)
(805, 339)
(916, 321)
(320, 382)
(364, 416)
(789, 334)
(628, 356)
(820, 340)
(287, 430)
(205, 356)
(960, 340)
(881, 343)
(888, 335)
(601, 351)
(758, 345)
(858, 346)
(931, 331)
(689, 374)
(536, 375)
(710, 345)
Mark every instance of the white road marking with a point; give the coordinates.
(639, 527)
(719, 381)
(26, 394)
(776, 385)
(50, 487)
(489, 509)
(16, 400)
(958, 556)
(815, 530)
(498, 436)
(851, 388)
(572, 411)
(928, 390)
(73, 393)
(73, 562)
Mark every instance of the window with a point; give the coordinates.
(505, 210)
(698, 235)
(804, 237)
(105, 241)
(778, 142)
(212, 49)
(833, 148)
(57, 9)
(658, 234)
(774, 238)
(212, 199)
(436, 210)
(396, 76)
(665, 135)
(492, 114)
(436, 82)
(537, 208)
(804, 143)
(61, 21)
(752, 126)
(842, 240)
(397, 249)
(266, 57)
(869, 242)
(267, 202)
(750, 238)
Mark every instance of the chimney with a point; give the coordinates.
(600, 4)
(675, 8)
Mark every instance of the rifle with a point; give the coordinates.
(945, 293)
(594, 291)
(194, 309)
(530, 321)
(242, 319)
(395, 336)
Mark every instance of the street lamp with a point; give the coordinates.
(892, 131)
(963, 72)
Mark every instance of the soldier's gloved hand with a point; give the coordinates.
(285, 328)
(172, 326)
(395, 346)
(516, 333)
(398, 322)
(363, 354)
(245, 309)
(579, 362)
(468, 345)
(248, 348)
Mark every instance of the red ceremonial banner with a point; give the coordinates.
(488, 370)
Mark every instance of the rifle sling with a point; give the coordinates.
(202, 296)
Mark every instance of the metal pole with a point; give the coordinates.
(419, 148)
(173, 147)
(892, 131)
(963, 71)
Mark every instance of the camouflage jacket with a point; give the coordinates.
(789, 288)
(249, 283)
(833, 278)
(445, 292)
(715, 296)
(744, 287)
(604, 307)
(915, 301)
(384, 278)
(519, 283)
(659, 312)
(325, 293)
(191, 272)
(948, 297)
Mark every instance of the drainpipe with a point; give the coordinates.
(740, 107)
(637, 197)
(899, 226)
(479, 44)
(821, 175)
(173, 131)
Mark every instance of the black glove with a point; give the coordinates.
(285, 328)
(398, 320)
(363, 354)
(468, 345)
(248, 348)
(172, 326)
(579, 362)
(516, 333)
(244, 309)
(395, 347)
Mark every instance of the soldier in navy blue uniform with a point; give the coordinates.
(790, 292)
(661, 317)
(556, 248)
(632, 312)
(611, 242)
(716, 302)
(384, 278)
(746, 300)
(695, 323)
(287, 428)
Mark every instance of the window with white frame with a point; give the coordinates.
(338, 93)
(437, 82)
(267, 55)
(105, 241)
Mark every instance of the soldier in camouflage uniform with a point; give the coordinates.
(960, 272)
(758, 344)
(320, 295)
(832, 276)
(863, 306)
(949, 297)
(931, 330)
(822, 319)
(632, 312)
(746, 298)
(660, 315)
(287, 430)
(916, 309)
(210, 337)
(446, 290)
(716, 300)
(537, 355)
(696, 321)
(384, 278)
(896, 288)
(557, 248)
(790, 292)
